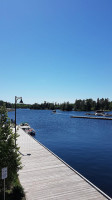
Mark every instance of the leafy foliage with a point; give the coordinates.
(17, 193)
(9, 156)
(90, 104)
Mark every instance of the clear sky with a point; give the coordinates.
(55, 50)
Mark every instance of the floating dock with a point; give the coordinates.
(45, 176)
(87, 117)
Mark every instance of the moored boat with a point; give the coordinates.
(30, 131)
(54, 111)
(26, 127)
(99, 113)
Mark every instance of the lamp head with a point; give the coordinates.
(21, 101)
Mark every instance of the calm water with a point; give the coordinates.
(85, 144)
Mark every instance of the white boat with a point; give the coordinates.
(54, 111)
(99, 113)
(26, 127)
(24, 124)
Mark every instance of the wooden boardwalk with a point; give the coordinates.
(44, 176)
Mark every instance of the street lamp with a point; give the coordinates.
(21, 101)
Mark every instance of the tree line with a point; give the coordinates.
(78, 105)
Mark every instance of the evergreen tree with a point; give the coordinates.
(9, 156)
(110, 106)
(98, 104)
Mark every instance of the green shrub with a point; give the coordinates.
(17, 193)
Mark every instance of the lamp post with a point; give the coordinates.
(16, 98)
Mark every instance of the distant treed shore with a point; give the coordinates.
(78, 105)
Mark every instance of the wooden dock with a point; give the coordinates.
(45, 176)
(88, 117)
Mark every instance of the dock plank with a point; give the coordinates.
(88, 117)
(44, 176)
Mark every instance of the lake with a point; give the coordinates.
(85, 144)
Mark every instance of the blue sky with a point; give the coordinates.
(55, 50)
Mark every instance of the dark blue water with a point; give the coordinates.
(85, 144)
